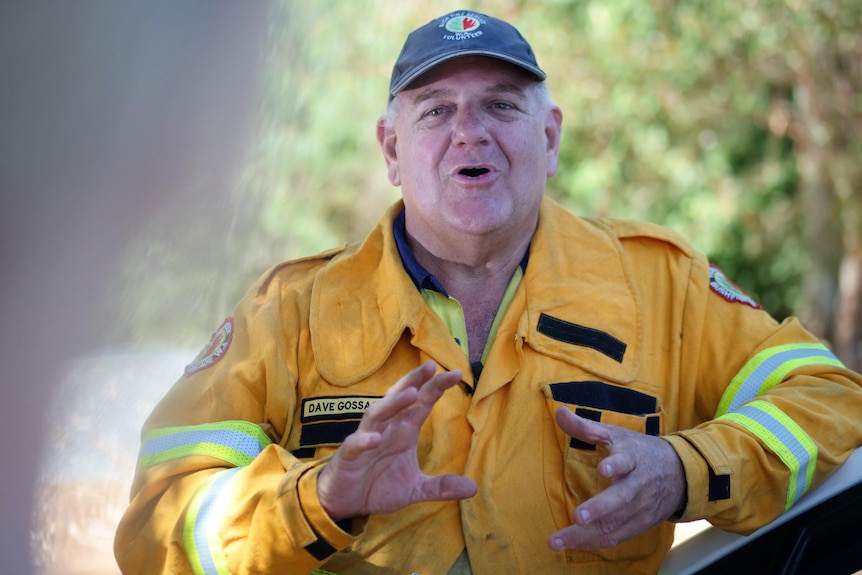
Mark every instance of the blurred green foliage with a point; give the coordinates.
(735, 124)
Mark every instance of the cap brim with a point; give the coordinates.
(420, 70)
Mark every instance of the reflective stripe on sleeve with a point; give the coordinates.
(769, 424)
(234, 442)
(768, 368)
(202, 522)
(784, 438)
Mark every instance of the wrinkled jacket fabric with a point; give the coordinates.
(616, 320)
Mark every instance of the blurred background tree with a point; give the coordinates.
(737, 125)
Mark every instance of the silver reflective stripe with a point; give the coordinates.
(235, 442)
(203, 518)
(777, 431)
(784, 438)
(768, 368)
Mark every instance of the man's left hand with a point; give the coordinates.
(647, 485)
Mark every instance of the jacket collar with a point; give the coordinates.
(364, 301)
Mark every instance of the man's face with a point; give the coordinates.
(471, 144)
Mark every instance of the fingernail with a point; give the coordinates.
(585, 515)
(557, 544)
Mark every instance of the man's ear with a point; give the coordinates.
(553, 133)
(387, 139)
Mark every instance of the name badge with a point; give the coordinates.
(336, 408)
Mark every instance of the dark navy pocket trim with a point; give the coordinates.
(605, 396)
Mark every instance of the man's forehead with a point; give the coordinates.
(497, 75)
(432, 92)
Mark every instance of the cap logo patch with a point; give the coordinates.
(728, 290)
(215, 349)
(462, 27)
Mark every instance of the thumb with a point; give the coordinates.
(448, 487)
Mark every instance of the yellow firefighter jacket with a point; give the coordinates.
(622, 322)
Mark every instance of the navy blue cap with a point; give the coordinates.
(461, 33)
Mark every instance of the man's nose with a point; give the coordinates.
(470, 128)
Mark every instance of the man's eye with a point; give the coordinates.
(433, 112)
(502, 106)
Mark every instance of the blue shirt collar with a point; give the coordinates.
(422, 279)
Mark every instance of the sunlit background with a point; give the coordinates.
(156, 157)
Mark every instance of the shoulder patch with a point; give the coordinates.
(728, 290)
(215, 349)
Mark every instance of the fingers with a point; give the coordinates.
(358, 443)
(619, 463)
(420, 377)
(647, 485)
(605, 520)
(411, 398)
(615, 515)
(583, 429)
(381, 413)
(423, 380)
(600, 534)
(402, 410)
(433, 390)
(376, 469)
(414, 378)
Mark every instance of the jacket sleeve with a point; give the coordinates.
(215, 489)
(772, 414)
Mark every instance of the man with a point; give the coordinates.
(487, 384)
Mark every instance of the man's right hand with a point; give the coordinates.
(376, 470)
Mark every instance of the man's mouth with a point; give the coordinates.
(474, 172)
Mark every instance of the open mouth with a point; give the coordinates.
(474, 172)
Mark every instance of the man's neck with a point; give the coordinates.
(479, 286)
(473, 272)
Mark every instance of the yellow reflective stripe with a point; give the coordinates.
(768, 368)
(200, 532)
(235, 458)
(785, 438)
(235, 442)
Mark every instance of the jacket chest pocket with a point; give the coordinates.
(604, 403)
